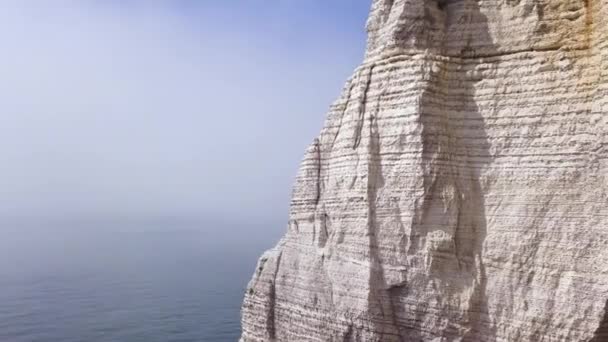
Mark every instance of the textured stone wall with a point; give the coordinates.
(458, 190)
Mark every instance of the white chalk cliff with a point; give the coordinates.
(459, 188)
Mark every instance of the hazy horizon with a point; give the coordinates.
(165, 110)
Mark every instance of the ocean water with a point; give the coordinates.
(148, 286)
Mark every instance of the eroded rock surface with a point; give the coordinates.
(458, 190)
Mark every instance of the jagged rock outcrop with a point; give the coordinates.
(458, 190)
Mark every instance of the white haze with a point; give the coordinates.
(153, 111)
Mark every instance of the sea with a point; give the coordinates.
(134, 286)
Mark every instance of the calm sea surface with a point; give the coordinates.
(178, 286)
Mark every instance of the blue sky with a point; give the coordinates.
(156, 109)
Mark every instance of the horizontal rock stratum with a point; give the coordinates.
(458, 190)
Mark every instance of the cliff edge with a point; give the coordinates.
(459, 188)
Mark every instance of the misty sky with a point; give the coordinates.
(154, 109)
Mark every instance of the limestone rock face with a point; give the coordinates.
(459, 188)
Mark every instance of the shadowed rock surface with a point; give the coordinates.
(458, 189)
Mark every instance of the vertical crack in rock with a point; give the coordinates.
(343, 113)
(601, 334)
(271, 320)
(360, 121)
(316, 150)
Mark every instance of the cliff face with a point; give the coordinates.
(458, 190)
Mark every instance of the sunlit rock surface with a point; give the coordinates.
(458, 190)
